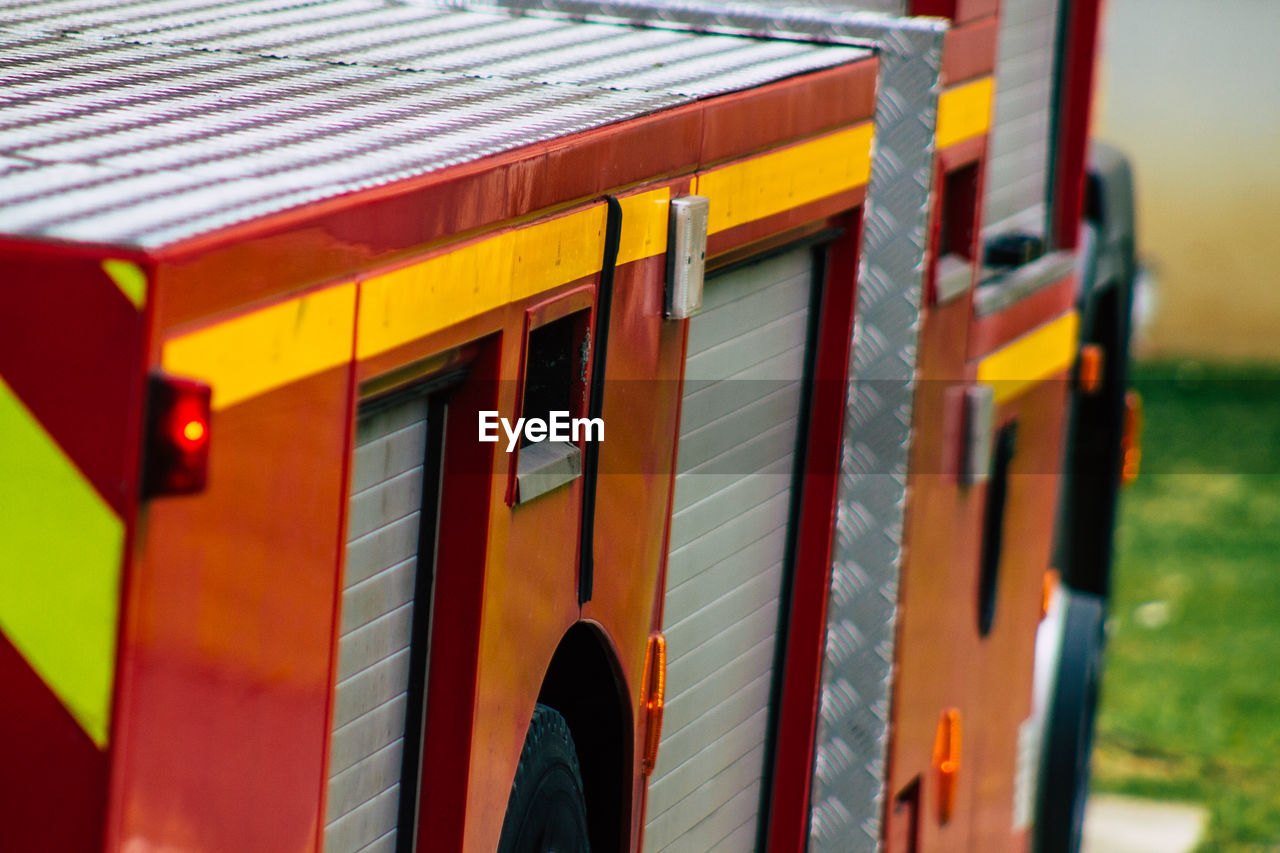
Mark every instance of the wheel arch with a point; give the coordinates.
(585, 684)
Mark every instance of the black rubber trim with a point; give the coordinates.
(595, 401)
(993, 526)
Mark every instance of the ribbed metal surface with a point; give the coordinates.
(376, 627)
(145, 123)
(738, 435)
(1018, 166)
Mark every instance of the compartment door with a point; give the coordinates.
(378, 689)
(729, 564)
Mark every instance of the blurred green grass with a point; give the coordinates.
(1191, 694)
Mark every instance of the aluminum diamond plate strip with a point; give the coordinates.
(853, 728)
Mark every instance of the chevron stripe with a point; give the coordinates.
(60, 571)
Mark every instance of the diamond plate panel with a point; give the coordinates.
(853, 727)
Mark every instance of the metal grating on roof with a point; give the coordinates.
(149, 122)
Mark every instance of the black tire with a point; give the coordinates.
(1064, 781)
(546, 811)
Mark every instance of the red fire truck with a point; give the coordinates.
(554, 425)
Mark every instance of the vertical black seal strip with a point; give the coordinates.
(595, 400)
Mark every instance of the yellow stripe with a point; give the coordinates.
(965, 111)
(265, 349)
(59, 568)
(771, 183)
(644, 225)
(127, 276)
(404, 305)
(556, 251)
(1047, 351)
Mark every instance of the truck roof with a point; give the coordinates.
(146, 123)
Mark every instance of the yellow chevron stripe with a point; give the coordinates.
(129, 277)
(771, 183)
(60, 556)
(1031, 359)
(265, 349)
(965, 111)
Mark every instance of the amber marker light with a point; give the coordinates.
(177, 451)
(946, 762)
(1089, 375)
(1051, 580)
(654, 694)
(1131, 439)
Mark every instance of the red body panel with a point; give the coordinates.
(71, 351)
(228, 649)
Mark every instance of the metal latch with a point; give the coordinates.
(686, 255)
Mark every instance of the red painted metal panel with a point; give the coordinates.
(969, 51)
(71, 347)
(225, 652)
(53, 790)
(958, 10)
(789, 110)
(1076, 100)
(937, 635)
(991, 333)
(468, 489)
(1000, 676)
(788, 818)
(637, 459)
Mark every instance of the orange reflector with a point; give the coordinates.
(1089, 375)
(1051, 580)
(654, 694)
(946, 762)
(1131, 440)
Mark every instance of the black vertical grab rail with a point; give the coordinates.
(595, 399)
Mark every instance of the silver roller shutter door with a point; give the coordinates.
(376, 625)
(728, 553)
(1021, 142)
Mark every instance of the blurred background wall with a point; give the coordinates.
(1191, 90)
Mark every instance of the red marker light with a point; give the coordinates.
(193, 432)
(177, 455)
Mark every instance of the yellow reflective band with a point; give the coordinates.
(257, 352)
(556, 251)
(1031, 359)
(127, 276)
(771, 183)
(408, 303)
(59, 570)
(644, 225)
(965, 111)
